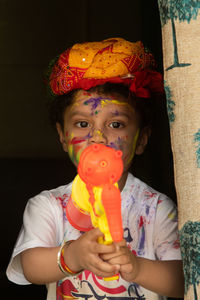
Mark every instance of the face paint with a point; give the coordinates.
(74, 147)
(75, 153)
(116, 113)
(76, 140)
(116, 110)
(101, 101)
(98, 132)
(88, 136)
(114, 101)
(117, 145)
(95, 102)
(134, 146)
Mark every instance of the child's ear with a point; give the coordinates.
(62, 137)
(143, 138)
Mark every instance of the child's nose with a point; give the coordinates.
(98, 137)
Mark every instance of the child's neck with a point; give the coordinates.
(122, 181)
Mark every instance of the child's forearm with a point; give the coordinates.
(40, 265)
(162, 277)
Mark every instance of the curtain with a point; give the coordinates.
(180, 22)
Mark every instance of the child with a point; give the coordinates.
(104, 94)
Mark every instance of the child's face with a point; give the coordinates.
(94, 118)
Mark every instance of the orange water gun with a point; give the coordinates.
(95, 199)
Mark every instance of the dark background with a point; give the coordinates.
(32, 33)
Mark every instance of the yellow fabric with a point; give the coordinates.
(105, 59)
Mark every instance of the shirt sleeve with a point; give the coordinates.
(166, 241)
(39, 230)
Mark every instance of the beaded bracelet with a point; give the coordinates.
(61, 262)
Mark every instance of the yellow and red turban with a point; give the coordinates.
(112, 60)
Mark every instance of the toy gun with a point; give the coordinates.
(96, 200)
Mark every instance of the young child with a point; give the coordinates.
(103, 94)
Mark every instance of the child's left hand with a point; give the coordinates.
(126, 259)
(161, 277)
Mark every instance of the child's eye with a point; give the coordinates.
(82, 124)
(116, 125)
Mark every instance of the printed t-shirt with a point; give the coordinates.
(150, 230)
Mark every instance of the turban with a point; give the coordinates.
(115, 60)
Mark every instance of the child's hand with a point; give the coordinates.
(85, 253)
(126, 259)
(161, 277)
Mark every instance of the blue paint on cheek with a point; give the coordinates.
(114, 146)
(88, 136)
(117, 145)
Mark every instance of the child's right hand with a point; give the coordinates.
(85, 252)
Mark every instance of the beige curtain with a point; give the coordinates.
(180, 22)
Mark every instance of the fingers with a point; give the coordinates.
(102, 260)
(104, 249)
(121, 243)
(87, 254)
(109, 256)
(93, 262)
(127, 268)
(94, 234)
(119, 260)
(104, 269)
(95, 247)
(120, 249)
(124, 258)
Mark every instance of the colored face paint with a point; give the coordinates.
(98, 132)
(76, 140)
(105, 102)
(75, 148)
(102, 102)
(99, 114)
(94, 102)
(133, 147)
(118, 144)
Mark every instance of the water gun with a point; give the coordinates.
(95, 199)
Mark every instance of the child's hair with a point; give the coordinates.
(143, 106)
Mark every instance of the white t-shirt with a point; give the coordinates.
(150, 230)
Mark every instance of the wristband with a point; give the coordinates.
(61, 262)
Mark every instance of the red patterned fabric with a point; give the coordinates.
(114, 60)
